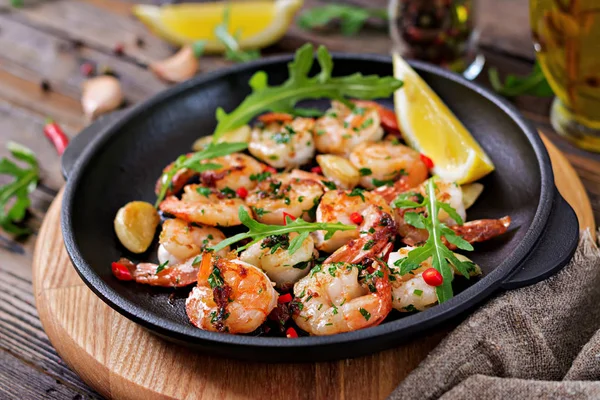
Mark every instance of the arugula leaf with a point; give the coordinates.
(14, 197)
(194, 162)
(299, 86)
(351, 18)
(434, 247)
(258, 231)
(535, 84)
(232, 47)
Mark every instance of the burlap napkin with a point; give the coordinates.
(538, 342)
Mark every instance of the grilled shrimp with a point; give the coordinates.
(340, 130)
(205, 206)
(284, 143)
(180, 245)
(409, 291)
(385, 162)
(232, 296)
(284, 194)
(180, 240)
(351, 290)
(472, 231)
(348, 207)
(235, 172)
(272, 256)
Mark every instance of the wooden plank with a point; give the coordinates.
(19, 380)
(36, 55)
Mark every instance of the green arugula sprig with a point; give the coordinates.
(194, 162)
(535, 84)
(434, 247)
(14, 197)
(299, 86)
(351, 18)
(258, 231)
(232, 47)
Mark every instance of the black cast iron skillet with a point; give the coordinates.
(125, 153)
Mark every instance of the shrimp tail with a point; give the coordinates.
(480, 230)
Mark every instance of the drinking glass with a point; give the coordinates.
(566, 37)
(438, 31)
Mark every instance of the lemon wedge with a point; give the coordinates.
(259, 23)
(430, 127)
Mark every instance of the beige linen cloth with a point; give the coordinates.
(537, 342)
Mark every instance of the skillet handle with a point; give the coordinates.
(78, 144)
(553, 250)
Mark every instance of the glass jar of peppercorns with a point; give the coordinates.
(438, 31)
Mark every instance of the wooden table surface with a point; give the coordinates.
(48, 40)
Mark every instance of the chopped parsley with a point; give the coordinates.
(317, 268)
(332, 270)
(260, 177)
(329, 185)
(275, 242)
(357, 192)
(260, 211)
(204, 191)
(228, 192)
(418, 292)
(387, 182)
(365, 313)
(369, 245)
(365, 171)
(161, 266)
(320, 132)
(410, 308)
(367, 123)
(215, 279)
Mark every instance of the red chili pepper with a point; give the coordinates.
(270, 169)
(427, 161)
(432, 277)
(317, 170)
(291, 333)
(275, 117)
(121, 272)
(56, 136)
(285, 298)
(285, 217)
(242, 192)
(356, 218)
(389, 122)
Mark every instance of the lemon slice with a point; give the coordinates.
(259, 23)
(430, 127)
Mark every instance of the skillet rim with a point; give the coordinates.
(412, 323)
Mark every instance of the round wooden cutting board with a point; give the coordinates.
(123, 361)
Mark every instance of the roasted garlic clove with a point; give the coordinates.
(135, 225)
(339, 170)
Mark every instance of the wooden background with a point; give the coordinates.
(48, 40)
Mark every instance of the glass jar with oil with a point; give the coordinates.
(567, 41)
